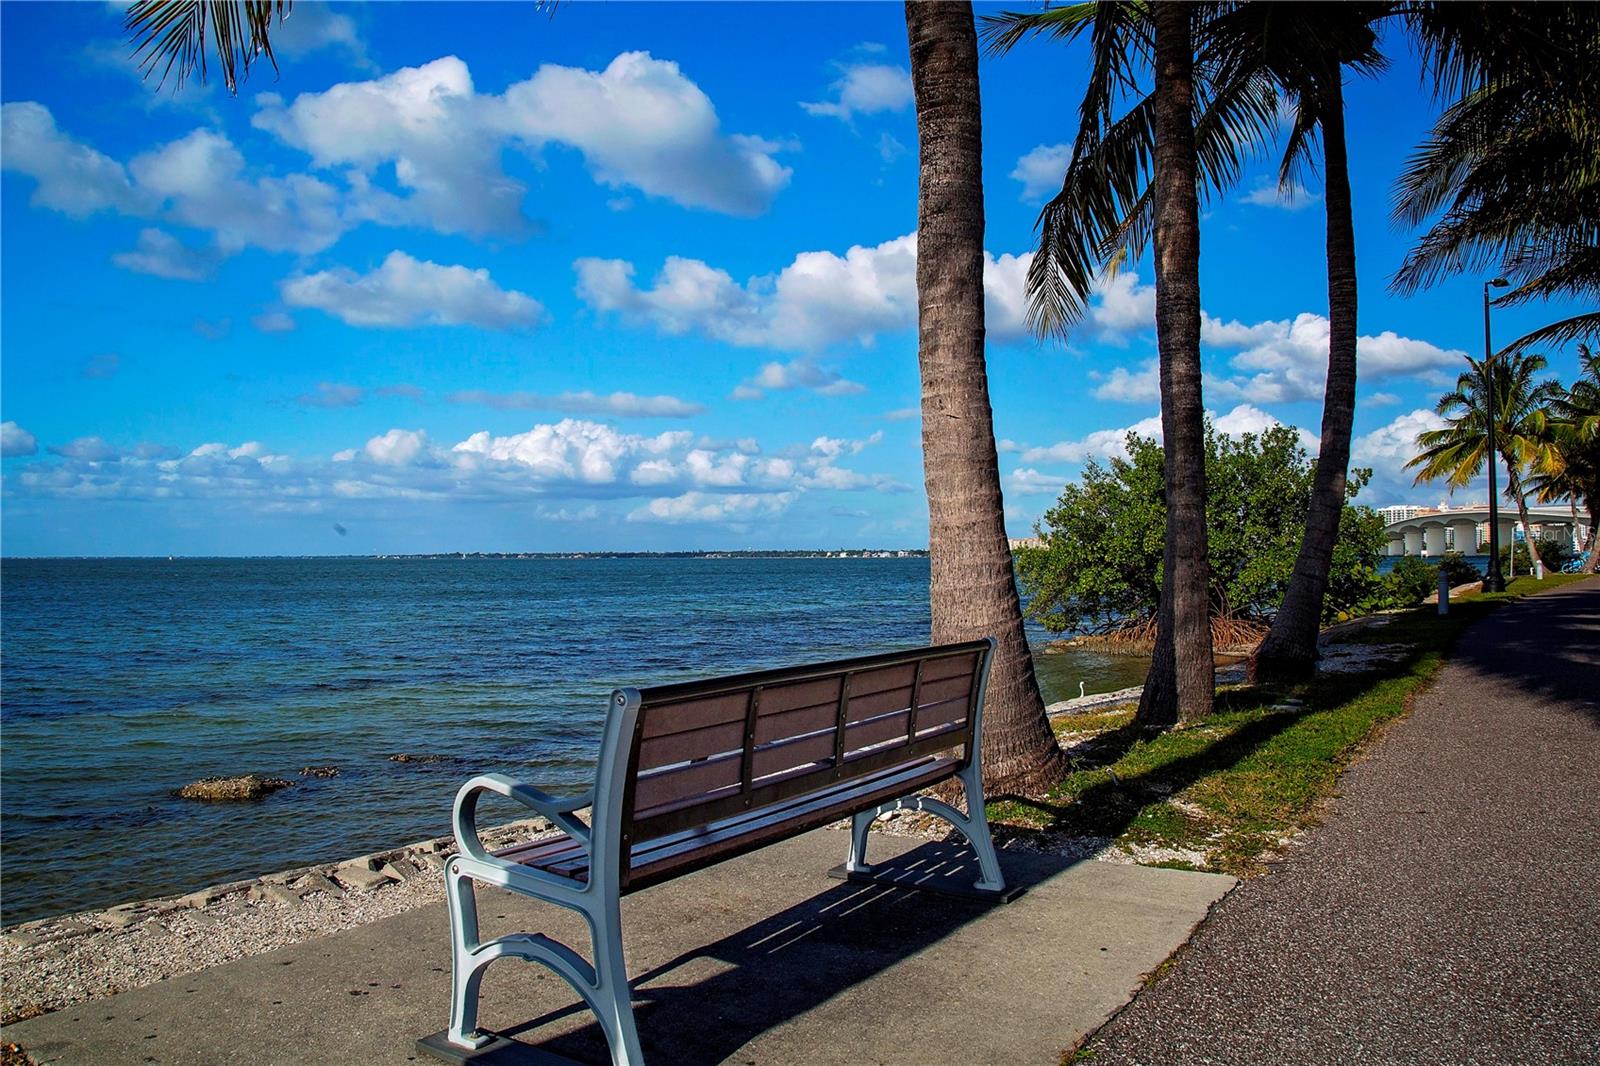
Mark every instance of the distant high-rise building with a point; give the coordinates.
(1399, 512)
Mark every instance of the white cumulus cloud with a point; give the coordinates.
(1041, 170)
(803, 373)
(1026, 481)
(1287, 360)
(163, 255)
(398, 447)
(1387, 449)
(700, 507)
(821, 298)
(16, 441)
(1112, 443)
(865, 89)
(72, 177)
(616, 404)
(409, 292)
(639, 123)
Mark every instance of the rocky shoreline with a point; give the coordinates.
(52, 963)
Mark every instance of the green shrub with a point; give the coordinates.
(1458, 570)
(1412, 580)
(1100, 566)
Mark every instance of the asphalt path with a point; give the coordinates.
(1448, 908)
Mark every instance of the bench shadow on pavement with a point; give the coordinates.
(779, 968)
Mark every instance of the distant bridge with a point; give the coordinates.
(1436, 532)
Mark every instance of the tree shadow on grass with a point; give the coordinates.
(1114, 799)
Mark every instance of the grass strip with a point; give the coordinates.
(1223, 792)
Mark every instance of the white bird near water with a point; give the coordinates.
(1080, 690)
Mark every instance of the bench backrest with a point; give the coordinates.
(706, 750)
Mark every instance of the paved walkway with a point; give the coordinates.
(1448, 911)
(760, 960)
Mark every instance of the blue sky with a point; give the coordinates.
(632, 276)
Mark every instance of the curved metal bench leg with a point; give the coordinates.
(611, 1000)
(857, 863)
(975, 827)
(466, 973)
(603, 986)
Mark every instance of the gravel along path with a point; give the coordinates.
(1448, 910)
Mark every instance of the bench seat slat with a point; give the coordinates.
(662, 858)
(961, 665)
(682, 716)
(875, 703)
(775, 699)
(686, 782)
(943, 712)
(656, 752)
(800, 722)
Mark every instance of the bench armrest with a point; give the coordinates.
(558, 809)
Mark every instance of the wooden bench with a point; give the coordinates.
(691, 774)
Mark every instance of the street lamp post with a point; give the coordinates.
(1494, 580)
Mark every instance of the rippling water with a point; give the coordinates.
(124, 679)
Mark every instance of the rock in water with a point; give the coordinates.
(247, 787)
(319, 771)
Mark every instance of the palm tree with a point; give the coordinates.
(1302, 52)
(172, 36)
(1306, 50)
(1182, 682)
(973, 590)
(1133, 179)
(1521, 412)
(1509, 174)
(1571, 471)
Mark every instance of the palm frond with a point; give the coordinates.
(171, 36)
(1585, 325)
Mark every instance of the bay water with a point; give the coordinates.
(121, 680)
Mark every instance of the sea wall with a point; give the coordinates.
(54, 962)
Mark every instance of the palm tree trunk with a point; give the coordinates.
(1290, 649)
(1514, 484)
(1182, 680)
(973, 589)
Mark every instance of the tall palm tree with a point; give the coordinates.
(1182, 681)
(1133, 178)
(1520, 407)
(973, 590)
(1306, 49)
(173, 36)
(1511, 172)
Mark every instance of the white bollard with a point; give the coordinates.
(1444, 592)
(1538, 570)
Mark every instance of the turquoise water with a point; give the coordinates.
(124, 679)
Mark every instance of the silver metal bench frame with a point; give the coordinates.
(604, 984)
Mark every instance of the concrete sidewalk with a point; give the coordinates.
(760, 960)
(1448, 910)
